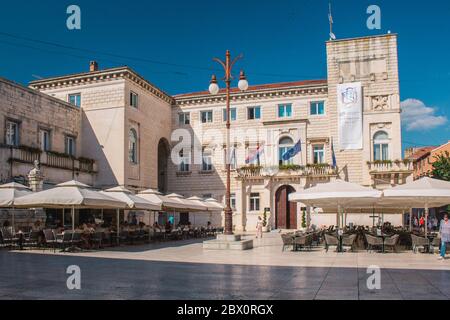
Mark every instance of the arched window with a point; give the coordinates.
(284, 144)
(381, 146)
(132, 147)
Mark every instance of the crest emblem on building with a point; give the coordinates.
(349, 96)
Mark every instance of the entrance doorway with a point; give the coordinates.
(163, 157)
(286, 211)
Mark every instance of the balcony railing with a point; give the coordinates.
(390, 166)
(49, 159)
(282, 171)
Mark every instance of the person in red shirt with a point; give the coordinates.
(422, 224)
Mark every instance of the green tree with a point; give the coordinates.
(303, 218)
(441, 167)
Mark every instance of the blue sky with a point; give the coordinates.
(172, 42)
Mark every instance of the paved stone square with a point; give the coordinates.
(183, 270)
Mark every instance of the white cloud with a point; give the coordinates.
(417, 116)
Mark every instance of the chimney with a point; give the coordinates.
(93, 66)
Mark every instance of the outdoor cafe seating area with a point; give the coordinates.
(360, 238)
(76, 197)
(89, 237)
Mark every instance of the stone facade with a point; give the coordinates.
(108, 118)
(133, 130)
(30, 112)
(371, 61)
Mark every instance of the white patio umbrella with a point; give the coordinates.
(179, 202)
(340, 194)
(168, 203)
(423, 193)
(153, 196)
(71, 194)
(9, 193)
(214, 205)
(134, 202)
(199, 201)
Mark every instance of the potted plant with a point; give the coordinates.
(265, 217)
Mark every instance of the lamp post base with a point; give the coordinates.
(228, 242)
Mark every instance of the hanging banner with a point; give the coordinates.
(350, 116)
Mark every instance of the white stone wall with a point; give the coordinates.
(103, 129)
(374, 62)
(152, 121)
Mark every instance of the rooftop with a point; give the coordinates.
(421, 152)
(260, 87)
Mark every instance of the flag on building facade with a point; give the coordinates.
(292, 152)
(233, 161)
(333, 155)
(255, 156)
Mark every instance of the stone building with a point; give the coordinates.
(424, 157)
(134, 132)
(304, 111)
(40, 127)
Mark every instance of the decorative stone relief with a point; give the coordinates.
(380, 103)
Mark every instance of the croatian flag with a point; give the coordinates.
(292, 152)
(254, 157)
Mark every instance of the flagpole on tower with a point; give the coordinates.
(330, 19)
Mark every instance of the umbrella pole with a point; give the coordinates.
(13, 220)
(118, 224)
(410, 219)
(338, 217)
(149, 233)
(426, 220)
(63, 216)
(73, 218)
(373, 217)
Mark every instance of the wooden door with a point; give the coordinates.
(286, 212)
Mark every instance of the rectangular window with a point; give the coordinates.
(254, 113)
(232, 114)
(184, 118)
(70, 146)
(12, 133)
(75, 99)
(318, 154)
(185, 160)
(284, 110)
(254, 202)
(206, 116)
(134, 99)
(44, 137)
(317, 108)
(381, 152)
(207, 160)
(233, 201)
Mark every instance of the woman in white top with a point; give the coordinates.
(259, 227)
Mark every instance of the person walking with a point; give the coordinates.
(259, 227)
(444, 231)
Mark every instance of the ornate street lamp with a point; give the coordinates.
(214, 89)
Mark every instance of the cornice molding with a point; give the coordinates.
(253, 95)
(101, 76)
